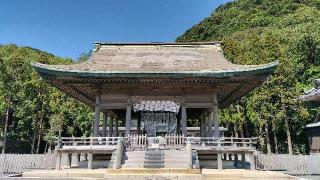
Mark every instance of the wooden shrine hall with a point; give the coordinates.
(156, 87)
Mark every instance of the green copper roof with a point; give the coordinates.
(246, 71)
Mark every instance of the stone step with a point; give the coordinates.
(154, 158)
(136, 152)
(176, 166)
(132, 166)
(154, 166)
(154, 154)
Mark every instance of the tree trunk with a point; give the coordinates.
(39, 136)
(5, 132)
(245, 116)
(266, 129)
(241, 124)
(36, 120)
(45, 148)
(286, 119)
(235, 131)
(38, 144)
(261, 139)
(275, 137)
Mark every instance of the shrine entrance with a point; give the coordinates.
(158, 118)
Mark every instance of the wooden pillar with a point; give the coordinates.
(139, 125)
(201, 127)
(116, 129)
(178, 126)
(205, 125)
(216, 122)
(104, 125)
(210, 123)
(128, 120)
(110, 132)
(215, 117)
(97, 115)
(184, 121)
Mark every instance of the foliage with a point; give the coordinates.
(37, 110)
(262, 31)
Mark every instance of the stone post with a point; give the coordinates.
(118, 155)
(219, 157)
(251, 161)
(243, 160)
(90, 160)
(189, 154)
(75, 160)
(58, 161)
(65, 160)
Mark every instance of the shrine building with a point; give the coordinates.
(156, 88)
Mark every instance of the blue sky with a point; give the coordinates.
(68, 28)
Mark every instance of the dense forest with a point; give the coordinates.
(33, 111)
(252, 31)
(263, 31)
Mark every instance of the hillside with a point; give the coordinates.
(34, 110)
(262, 31)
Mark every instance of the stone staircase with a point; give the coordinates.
(133, 159)
(154, 158)
(111, 163)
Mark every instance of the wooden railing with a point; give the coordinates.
(88, 141)
(137, 142)
(170, 141)
(174, 141)
(225, 141)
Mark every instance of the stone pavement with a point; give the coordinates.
(155, 174)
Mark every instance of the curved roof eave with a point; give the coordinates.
(252, 70)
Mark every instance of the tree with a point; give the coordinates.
(257, 32)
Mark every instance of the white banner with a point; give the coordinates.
(168, 106)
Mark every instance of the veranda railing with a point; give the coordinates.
(170, 141)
